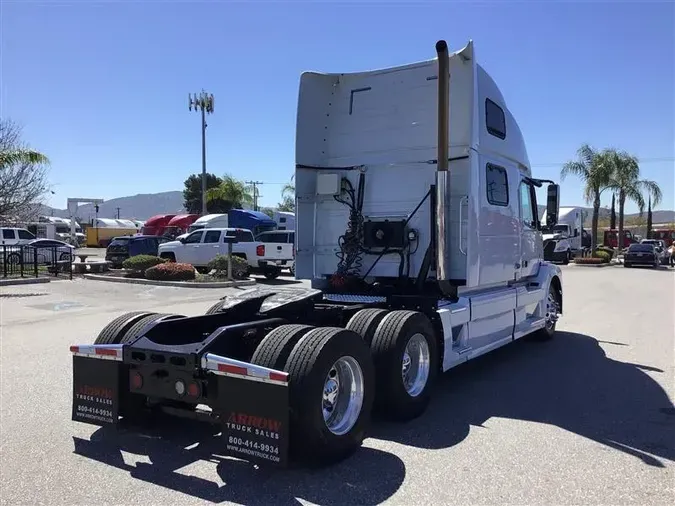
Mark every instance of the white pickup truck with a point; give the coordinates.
(201, 246)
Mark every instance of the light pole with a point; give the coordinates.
(204, 103)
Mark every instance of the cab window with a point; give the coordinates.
(526, 207)
(194, 237)
(212, 236)
(25, 234)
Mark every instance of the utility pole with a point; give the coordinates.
(255, 185)
(204, 103)
(118, 212)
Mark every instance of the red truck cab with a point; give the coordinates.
(611, 235)
(179, 224)
(667, 235)
(155, 225)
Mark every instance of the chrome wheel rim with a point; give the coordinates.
(551, 311)
(416, 365)
(343, 392)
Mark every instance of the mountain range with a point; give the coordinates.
(145, 205)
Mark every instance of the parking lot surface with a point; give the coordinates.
(586, 418)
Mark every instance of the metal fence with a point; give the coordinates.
(34, 262)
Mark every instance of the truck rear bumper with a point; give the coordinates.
(249, 402)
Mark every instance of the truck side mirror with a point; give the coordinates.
(552, 204)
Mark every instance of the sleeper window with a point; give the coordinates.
(497, 185)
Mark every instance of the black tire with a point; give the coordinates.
(388, 347)
(308, 366)
(65, 256)
(625, 264)
(114, 331)
(272, 273)
(548, 331)
(13, 259)
(135, 330)
(216, 307)
(566, 261)
(169, 256)
(275, 348)
(365, 323)
(292, 269)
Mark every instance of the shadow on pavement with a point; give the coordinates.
(357, 480)
(567, 382)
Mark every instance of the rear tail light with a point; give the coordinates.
(260, 250)
(136, 380)
(193, 390)
(293, 250)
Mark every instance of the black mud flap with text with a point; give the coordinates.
(255, 420)
(96, 386)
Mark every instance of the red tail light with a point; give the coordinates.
(136, 380)
(260, 250)
(193, 390)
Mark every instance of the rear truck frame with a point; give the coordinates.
(294, 375)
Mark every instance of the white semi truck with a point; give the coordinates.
(416, 223)
(563, 240)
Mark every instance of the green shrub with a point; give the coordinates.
(142, 262)
(602, 255)
(607, 250)
(171, 272)
(219, 266)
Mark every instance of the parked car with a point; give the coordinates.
(641, 254)
(660, 248)
(121, 248)
(42, 251)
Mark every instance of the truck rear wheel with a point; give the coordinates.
(365, 323)
(216, 307)
(136, 329)
(272, 272)
(331, 387)
(114, 331)
(405, 354)
(275, 348)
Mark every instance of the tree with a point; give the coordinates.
(268, 211)
(654, 199)
(594, 170)
(287, 197)
(626, 183)
(192, 194)
(612, 219)
(23, 174)
(231, 190)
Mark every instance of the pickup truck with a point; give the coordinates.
(201, 246)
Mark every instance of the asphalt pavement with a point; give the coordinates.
(586, 418)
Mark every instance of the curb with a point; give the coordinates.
(180, 284)
(595, 265)
(23, 281)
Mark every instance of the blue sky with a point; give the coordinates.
(101, 86)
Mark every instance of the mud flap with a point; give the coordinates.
(255, 419)
(96, 387)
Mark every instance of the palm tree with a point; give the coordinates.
(626, 183)
(21, 156)
(594, 170)
(233, 191)
(289, 189)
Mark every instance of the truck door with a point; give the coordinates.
(531, 250)
(209, 247)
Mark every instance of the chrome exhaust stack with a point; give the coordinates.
(442, 175)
